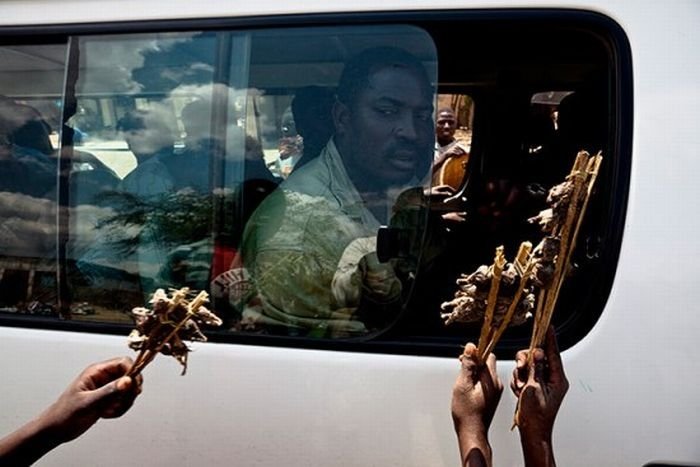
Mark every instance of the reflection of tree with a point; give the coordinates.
(173, 219)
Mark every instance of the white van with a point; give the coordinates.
(91, 225)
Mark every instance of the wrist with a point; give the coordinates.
(472, 435)
(45, 432)
(471, 424)
(537, 448)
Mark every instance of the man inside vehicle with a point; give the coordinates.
(311, 246)
(151, 140)
(451, 154)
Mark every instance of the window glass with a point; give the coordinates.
(326, 184)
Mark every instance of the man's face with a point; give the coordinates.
(142, 142)
(147, 141)
(445, 128)
(387, 134)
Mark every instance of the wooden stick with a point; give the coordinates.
(592, 170)
(516, 415)
(509, 314)
(578, 175)
(498, 263)
(198, 301)
(524, 266)
(152, 353)
(541, 297)
(133, 371)
(522, 260)
(581, 204)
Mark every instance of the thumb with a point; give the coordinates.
(372, 261)
(536, 369)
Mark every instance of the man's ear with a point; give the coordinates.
(341, 118)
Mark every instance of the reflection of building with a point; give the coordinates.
(29, 285)
(113, 288)
(20, 275)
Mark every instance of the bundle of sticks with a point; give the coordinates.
(561, 223)
(164, 328)
(504, 293)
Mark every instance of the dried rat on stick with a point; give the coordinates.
(501, 294)
(165, 327)
(504, 293)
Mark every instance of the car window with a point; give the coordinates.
(327, 185)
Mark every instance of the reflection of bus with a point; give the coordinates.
(134, 153)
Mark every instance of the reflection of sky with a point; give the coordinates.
(29, 229)
(108, 64)
(28, 226)
(169, 70)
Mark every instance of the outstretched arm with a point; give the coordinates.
(475, 396)
(540, 387)
(100, 391)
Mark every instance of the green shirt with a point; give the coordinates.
(308, 248)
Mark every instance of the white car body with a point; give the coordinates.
(633, 397)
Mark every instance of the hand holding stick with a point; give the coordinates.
(540, 385)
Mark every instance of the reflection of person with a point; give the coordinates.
(210, 160)
(151, 141)
(540, 387)
(29, 162)
(311, 108)
(26, 155)
(191, 167)
(311, 247)
(100, 391)
(23, 125)
(219, 164)
(290, 145)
